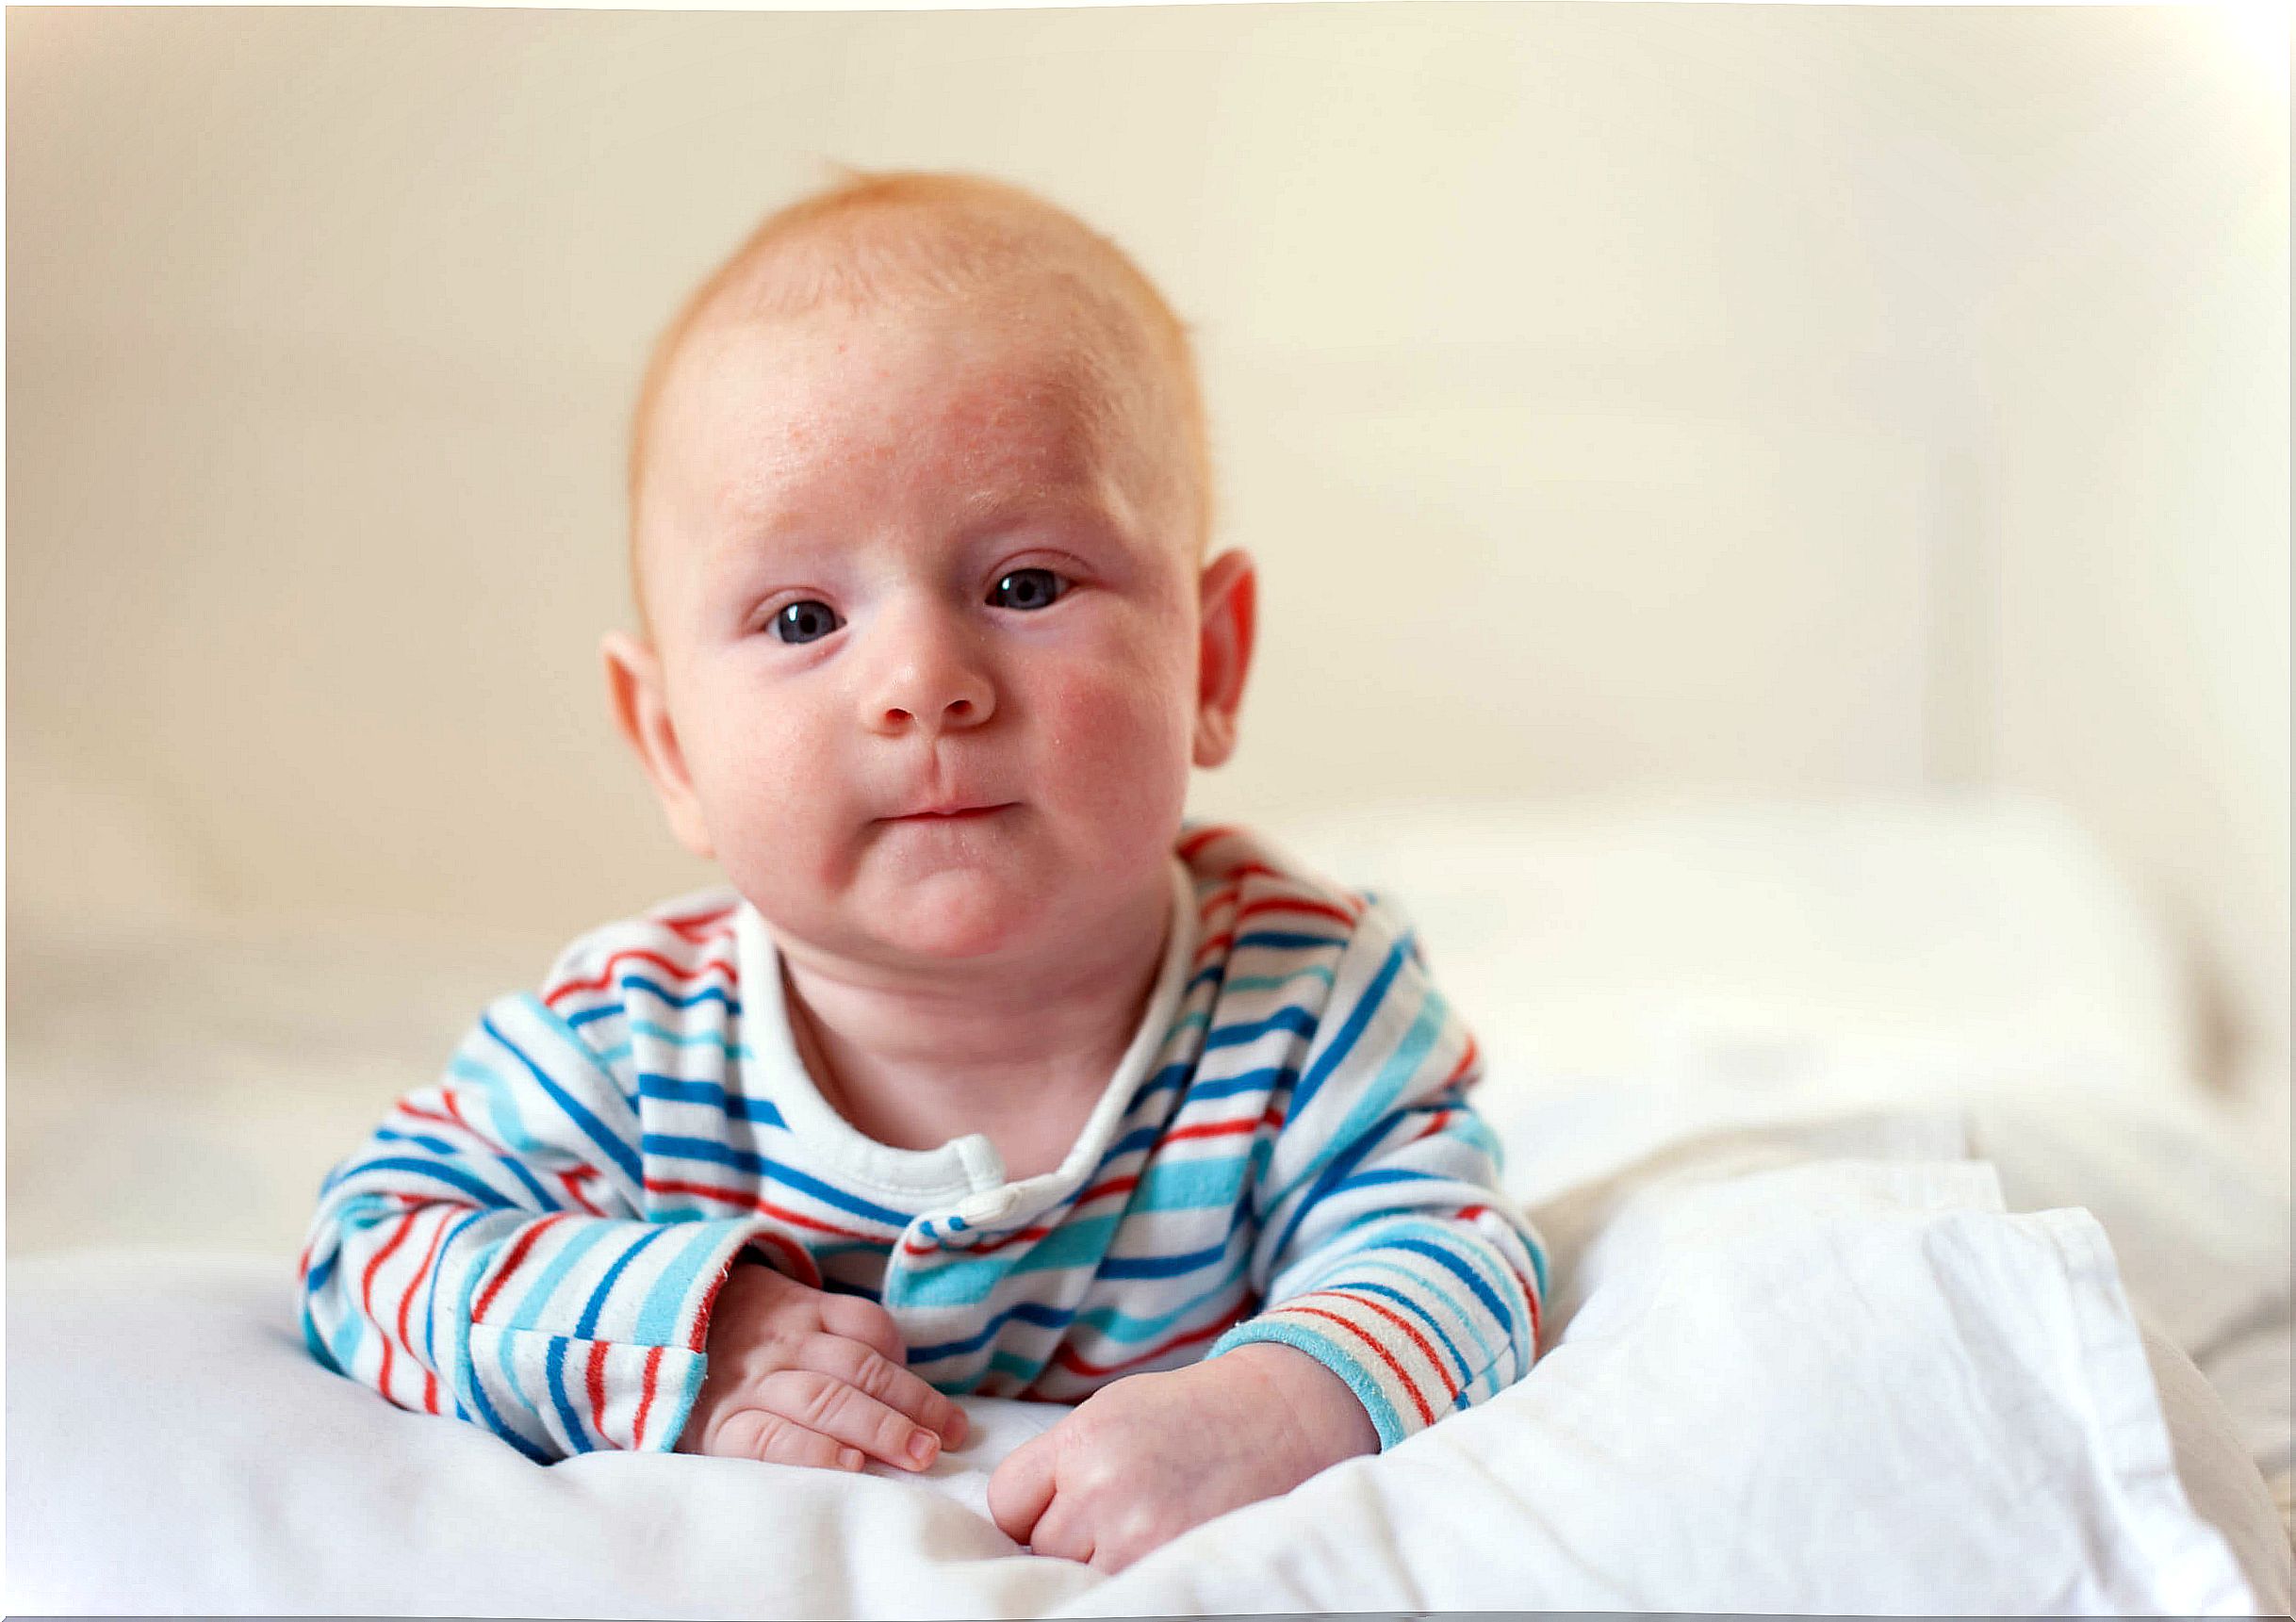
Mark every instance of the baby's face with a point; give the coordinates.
(928, 643)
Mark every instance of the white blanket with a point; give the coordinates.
(1801, 1369)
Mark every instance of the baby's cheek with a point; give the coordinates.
(769, 777)
(1121, 748)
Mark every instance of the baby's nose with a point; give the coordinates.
(955, 712)
(938, 690)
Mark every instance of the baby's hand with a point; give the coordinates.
(797, 1376)
(1143, 1460)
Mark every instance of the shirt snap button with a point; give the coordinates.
(993, 1205)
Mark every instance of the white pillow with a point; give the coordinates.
(1889, 944)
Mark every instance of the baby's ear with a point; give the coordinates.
(640, 703)
(1229, 592)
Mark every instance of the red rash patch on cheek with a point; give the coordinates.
(1119, 746)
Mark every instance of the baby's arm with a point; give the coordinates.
(1391, 1255)
(1400, 1285)
(1386, 1251)
(487, 1255)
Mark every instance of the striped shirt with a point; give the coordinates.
(1286, 1153)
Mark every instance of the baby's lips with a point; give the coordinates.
(954, 810)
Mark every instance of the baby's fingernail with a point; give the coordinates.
(850, 1459)
(922, 1446)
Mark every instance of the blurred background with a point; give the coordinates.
(1788, 405)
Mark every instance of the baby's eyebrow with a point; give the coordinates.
(1072, 497)
(754, 546)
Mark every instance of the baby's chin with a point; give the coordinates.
(951, 918)
(977, 903)
(955, 915)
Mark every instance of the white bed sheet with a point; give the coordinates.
(1703, 1024)
(1807, 1366)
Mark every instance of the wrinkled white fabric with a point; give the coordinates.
(1808, 1367)
(1840, 1387)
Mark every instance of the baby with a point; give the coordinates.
(984, 1074)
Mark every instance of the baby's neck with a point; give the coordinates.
(916, 1062)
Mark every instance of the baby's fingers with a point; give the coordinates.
(1021, 1488)
(865, 1321)
(754, 1434)
(822, 1404)
(890, 1382)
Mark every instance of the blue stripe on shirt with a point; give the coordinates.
(677, 1146)
(1359, 1018)
(707, 994)
(587, 1324)
(453, 1176)
(733, 1105)
(589, 1124)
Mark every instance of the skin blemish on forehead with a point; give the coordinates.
(937, 406)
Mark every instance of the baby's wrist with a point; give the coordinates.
(1326, 1417)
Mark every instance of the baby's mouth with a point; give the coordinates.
(954, 813)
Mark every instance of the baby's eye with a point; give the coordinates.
(1028, 588)
(807, 621)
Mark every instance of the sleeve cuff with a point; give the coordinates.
(1402, 1387)
(598, 1342)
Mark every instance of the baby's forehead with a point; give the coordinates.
(764, 414)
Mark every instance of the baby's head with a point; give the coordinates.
(919, 501)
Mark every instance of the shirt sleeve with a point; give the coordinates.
(485, 1254)
(1386, 1250)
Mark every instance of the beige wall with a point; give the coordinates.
(1618, 399)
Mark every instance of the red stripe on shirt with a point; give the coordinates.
(463, 1120)
(697, 1337)
(646, 1396)
(510, 1265)
(1467, 1062)
(1208, 950)
(569, 1178)
(605, 975)
(1426, 1414)
(454, 1117)
(367, 1293)
(430, 1383)
(1101, 1190)
(1214, 947)
(1450, 1386)
(698, 924)
(750, 1202)
(1529, 1290)
(455, 1109)
(1295, 904)
(1271, 1116)
(597, 1383)
(803, 1269)
(1198, 839)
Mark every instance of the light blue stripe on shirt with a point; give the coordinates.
(657, 1316)
(536, 1301)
